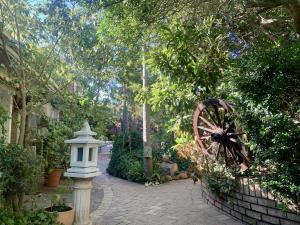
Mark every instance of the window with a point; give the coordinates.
(80, 154)
(90, 154)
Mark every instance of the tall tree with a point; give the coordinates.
(293, 6)
(146, 121)
(127, 51)
(35, 65)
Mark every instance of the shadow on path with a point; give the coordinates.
(174, 203)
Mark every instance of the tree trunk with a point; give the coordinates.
(146, 126)
(265, 3)
(17, 201)
(23, 115)
(292, 5)
(124, 122)
(295, 11)
(27, 135)
(21, 199)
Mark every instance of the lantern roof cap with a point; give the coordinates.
(85, 130)
(84, 136)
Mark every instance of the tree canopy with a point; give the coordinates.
(246, 51)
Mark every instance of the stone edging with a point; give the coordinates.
(251, 204)
(105, 204)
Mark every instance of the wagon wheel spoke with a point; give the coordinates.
(225, 155)
(232, 152)
(211, 117)
(235, 134)
(242, 159)
(206, 122)
(218, 152)
(224, 120)
(206, 137)
(206, 129)
(236, 141)
(218, 116)
(239, 137)
(209, 148)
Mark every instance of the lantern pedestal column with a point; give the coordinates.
(82, 200)
(83, 162)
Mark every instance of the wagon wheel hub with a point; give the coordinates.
(219, 135)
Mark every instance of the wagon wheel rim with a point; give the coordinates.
(216, 134)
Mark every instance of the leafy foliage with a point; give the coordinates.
(167, 146)
(3, 118)
(221, 180)
(191, 51)
(55, 151)
(126, 160)
(187, 46)
(39, 217)
(265, 87)
(20, 170)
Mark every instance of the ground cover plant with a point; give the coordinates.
(39, 217)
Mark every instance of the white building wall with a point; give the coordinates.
(50, 112)
(6, 101)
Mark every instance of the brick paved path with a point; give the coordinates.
(176, 203)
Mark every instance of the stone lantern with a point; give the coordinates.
(83, 162)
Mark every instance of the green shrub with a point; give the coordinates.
(20, 170)
(4, 116)
(221, 180)
(127, 157)
(134, 169)
(128, 141)
(265, 87)
(39, 217)
(165, 145)
(55, 152)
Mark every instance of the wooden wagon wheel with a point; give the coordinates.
(216, 133)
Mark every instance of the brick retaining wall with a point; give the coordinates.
(253, 205)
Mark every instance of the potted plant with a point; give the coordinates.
(56, 154)
(53, 169)
(65, 213)
(53, 177)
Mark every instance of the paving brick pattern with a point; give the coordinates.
(174, 203)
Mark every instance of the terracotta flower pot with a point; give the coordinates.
(66, 217)
(54, 177)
